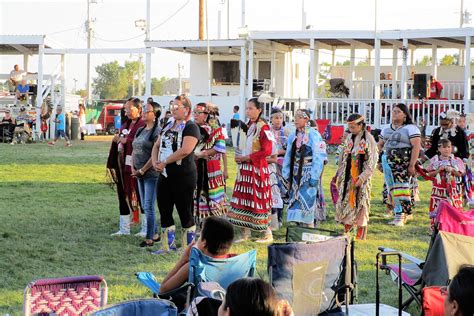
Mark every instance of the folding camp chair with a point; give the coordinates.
(204, 269)
(306, 234)
(307, 274)
(141, 307)
(417, 273)
(65, 296)
(223, 271)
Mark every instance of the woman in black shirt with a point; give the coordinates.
(173, 157)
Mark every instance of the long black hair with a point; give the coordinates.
(251, 296)
(259, 106)
(157, 111)
(461, 289)
(361, 157)
(293, 154)
(405, 110)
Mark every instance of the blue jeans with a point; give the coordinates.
(147, 188)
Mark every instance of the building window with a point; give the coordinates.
(226, 72)
(264, 70)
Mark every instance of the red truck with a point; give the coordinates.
(107, 117)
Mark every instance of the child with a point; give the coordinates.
(275, 164)
(216, 238)
(443, 168)
(60, 128)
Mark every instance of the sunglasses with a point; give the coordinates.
(199, 112)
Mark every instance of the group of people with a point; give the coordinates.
(183, 165)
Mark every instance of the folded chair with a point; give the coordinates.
(141, 307)
(308, 275)
(65, 296)
(204, 269)
(417, 273)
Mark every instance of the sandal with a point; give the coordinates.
(146, 244)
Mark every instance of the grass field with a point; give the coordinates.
(57, 212)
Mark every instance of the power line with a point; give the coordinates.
(67, 30)
(154, 28)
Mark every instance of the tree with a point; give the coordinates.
(425, 61)
(111, 82)
(82, 92)
(132, 70)
(157, 85)
(344, 63)
(449, 60)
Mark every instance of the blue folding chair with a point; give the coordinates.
(141, 307)
(223, 271)
(204, 269)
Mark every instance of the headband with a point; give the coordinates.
(302, 114)
(357, 121)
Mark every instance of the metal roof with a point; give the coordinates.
(24, 44)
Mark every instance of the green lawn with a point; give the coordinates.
(57, 212)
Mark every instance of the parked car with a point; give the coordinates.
(107, 117)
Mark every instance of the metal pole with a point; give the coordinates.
(39, 98)
(89, 40)
(179, 78)
(312, 77)
(403, 85)
(461, 14)
(209, 74)
(467, 75)
(243, 14)
(148, 54)
(140, 75)
(219, 21)
(228, 19)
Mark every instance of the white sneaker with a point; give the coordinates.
(140, 234)
(120, 233)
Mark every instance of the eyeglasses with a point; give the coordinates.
(199, 112)
(147, 111)
(444, 291)
(175, 107)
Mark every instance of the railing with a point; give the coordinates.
(364, 89)
(289, 108)
(378, 113)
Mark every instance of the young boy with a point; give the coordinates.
(443, 169)
(236, 115)
(216, 238)
(60, 128)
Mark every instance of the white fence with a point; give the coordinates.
(364, 89)
(378, 113)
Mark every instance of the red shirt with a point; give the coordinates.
(435, 89)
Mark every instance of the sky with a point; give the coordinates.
(63, 21)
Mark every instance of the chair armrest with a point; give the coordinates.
(405, 256)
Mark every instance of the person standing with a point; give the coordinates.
(82, 119)
(251, 201)
(303, 166)
(449, 129)
(143, 170)
(173, 157)
(60, 128)
(210, 198)
(124, 148)
(280, 134)
(357, 163)
(401, 144)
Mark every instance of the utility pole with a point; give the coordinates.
(202, 4)
(228, 19)
(461, 14)
(75, 85)
(89, 39)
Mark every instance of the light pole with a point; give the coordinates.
(89, 41)
(75, 85)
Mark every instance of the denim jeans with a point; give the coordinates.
(147, 188)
